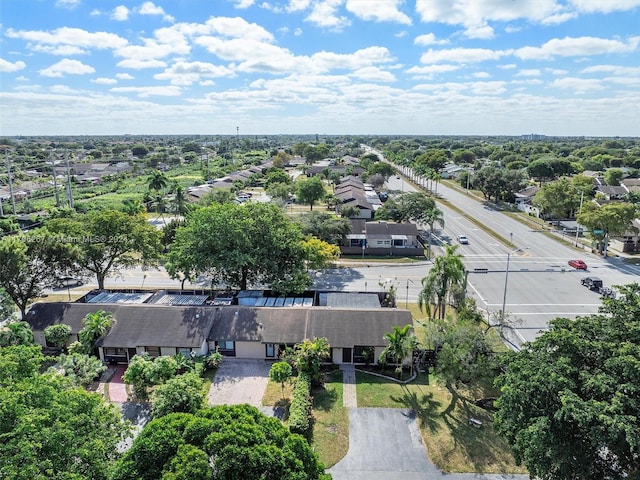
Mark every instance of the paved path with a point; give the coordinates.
(117, 387)
(385, 444)
(239, 381)
(349, 397)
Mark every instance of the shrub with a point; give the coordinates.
(300, 410)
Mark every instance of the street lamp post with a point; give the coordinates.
(506, 281)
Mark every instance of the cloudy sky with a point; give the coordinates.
(418, 67)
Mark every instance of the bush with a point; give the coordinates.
(300, 409)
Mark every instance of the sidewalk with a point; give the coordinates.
(349, 396)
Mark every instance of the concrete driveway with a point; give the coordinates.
(385, 444)
(239, 381)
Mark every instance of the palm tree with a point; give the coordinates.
(132, 206)
(435, 176)
(179, 200)
(94, 326)
(447, 271)
(432, 216)
(157, 180)
(400, 344)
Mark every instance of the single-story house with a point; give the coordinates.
(233, 330)
(383, 238)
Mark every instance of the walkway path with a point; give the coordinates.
(117, 387)
(349, 396)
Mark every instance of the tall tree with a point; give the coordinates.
(95, 325)
(400, 344)
(241, 245)
(16, 332)
(570, 402)
(309, 191)
(611, 219)
(182, 393)
(447, 272)
(50, 429)
(223, 442)
(431, 217)
(157, 180)
(558, 198)
(31, 262)
(109, 240)
(325, 226)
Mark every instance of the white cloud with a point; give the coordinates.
(482, 32)
(481, 75)
(66, 67)
(324, 15)
(431, 70)
(243, 4)
(556, 71)
(604, 6)
(70, 37)
(105, 81)
(326, 61)
(187, 73)
(238, 27)
(577, 46)
(529, 72)
(298, 5)
(62, 50)
(70, 4)
(373, 74)
(558, 18)
(428, 39)
(150, 8)
(124, 76)
(479, 12)
(461, 55)
(578, 85)
(144, 92)
(62, 90)
(138, 64)
(120, 13)
(297, 32)
(614, 69)
(508, 66)
(6, 66)
(380, 11)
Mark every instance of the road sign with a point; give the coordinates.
(598, 232)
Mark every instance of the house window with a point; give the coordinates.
(362, 354)
(115, 352)
(383, 242)
(152, 351)
(398, 243)
(271, 350)
(185, 352)
(226, 348)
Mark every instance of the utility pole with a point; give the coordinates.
(55, 180)
(13, 200)
(69, 193)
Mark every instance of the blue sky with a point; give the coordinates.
(415, 67)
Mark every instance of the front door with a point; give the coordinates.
(346, 355)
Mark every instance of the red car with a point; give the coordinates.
(578, 264)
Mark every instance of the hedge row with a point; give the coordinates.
(300, 409)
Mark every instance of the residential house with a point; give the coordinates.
(383, 238)
(233, 330)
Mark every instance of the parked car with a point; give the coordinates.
(607, 292)
(577, 264)
(592, 283)
(463, 240)
(67, 281)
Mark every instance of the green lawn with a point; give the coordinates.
(443, 417)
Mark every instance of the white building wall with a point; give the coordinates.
(250, 350)
(168, 351)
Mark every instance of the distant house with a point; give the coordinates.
(233, 330)
(383, 238)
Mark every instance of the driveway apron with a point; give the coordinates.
(239, 381)
(385, 444)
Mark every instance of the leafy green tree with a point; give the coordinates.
(609, 219)
(400, 344)
(325, 226)
(384, 169)
(179, 200)
(109, 241)
(182, 393)
(612, 176)
(241, 245)
(463, 156)
(31, 262)
(81, 369)
(236, 441)
(309, 355)
(277, 176)
(95, 325)
(279, 190)
(16, 332)
(558, 198)
(57, 335)
(570, 403)
(447, 272)
(280, 372)
(309, 191)
(7, 307)
(19, 362)
(541, 170)
(132, 206)
(217, 196)
(432, 216)
(52, 430)
(139, 150)
(434, 159)
(319, 254)
(139, 374)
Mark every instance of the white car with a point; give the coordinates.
(62, 282)
(463, 240)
